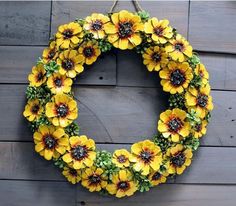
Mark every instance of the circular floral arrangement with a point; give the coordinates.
(51, 108)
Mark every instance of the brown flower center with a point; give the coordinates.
(178, 160)
(121, 159)
(73, 172)
(95, 179)
(123, 185)
(35, 109)
(68, 64)
(88, 51)
(96, 25)
(49, 141)
(179, 46)
(202, 100)
(51, 54)
(125, 29)
(156, 57)
(156, 176)
(198, 127)
(39, 77)
(79, 152)
(158, 31)
(177, 78)
(146, 156)
(62, 110)
(68, 33)
(58, 82)
(175, 124)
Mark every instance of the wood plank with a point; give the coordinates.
(28, 193)
(19, 161)
(15, 68)
(24, 23)
(220, 67)
(212, 26)
(176, 12)
(172, 195)
(118, 114)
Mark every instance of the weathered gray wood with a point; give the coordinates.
(19, 161)
(212, 26)
(24, 23)
(14, 68)
(118, 114)
(176, 12)
(220, 67)
(28, 193)
(173, 195)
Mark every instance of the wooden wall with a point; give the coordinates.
(120, 104)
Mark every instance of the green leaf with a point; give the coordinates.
(73, 129)
(177, 101)
(51, 67)
(144, 15)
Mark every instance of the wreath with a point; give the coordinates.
(51, 107)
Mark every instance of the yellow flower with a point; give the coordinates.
(155, 58)
(156, 177)
(200, 129)
(160, 31)
(69, 35)
(58, 83)
(146, 156)
(178, 48)
(124, 30)
(95, 25)
(122, 184)
(173, 124)
(89, 52)
(50, 53)
(69, 63)
(33, 110)
(50, 141)
(179, 159)
(199, 100)
(72, 175)
(94, 179)
(121, 158)
(176, 77)
(82, 153)
(38, 76)
(201, 71)
(62, 110)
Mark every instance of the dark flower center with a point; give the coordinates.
(58, 82)
(156, 57)
(198, 127)
(62, 110)
(177, 78)
(68, 34)
(39, 76)
(179, 159)
(79, 152)
(67, 64)
(94, 179)
(156, 176)
(125, 29)
(146, 156)
(49, 142)
(88, 51)
(179, 46)
(121, 159)
(51, 54)
(175, 125)
(123, 185)
(35, 109)
(158, 31)
(73, 172)
(202, 100)
(96, 25)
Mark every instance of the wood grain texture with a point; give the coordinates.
(28, 193)
(16, 67)
(24, 23)
(212, 26)
(118, 114)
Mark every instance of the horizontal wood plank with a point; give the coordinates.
(118, 114)
(212, 26)
(24, 23)
(14, 68)
(28, 193)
